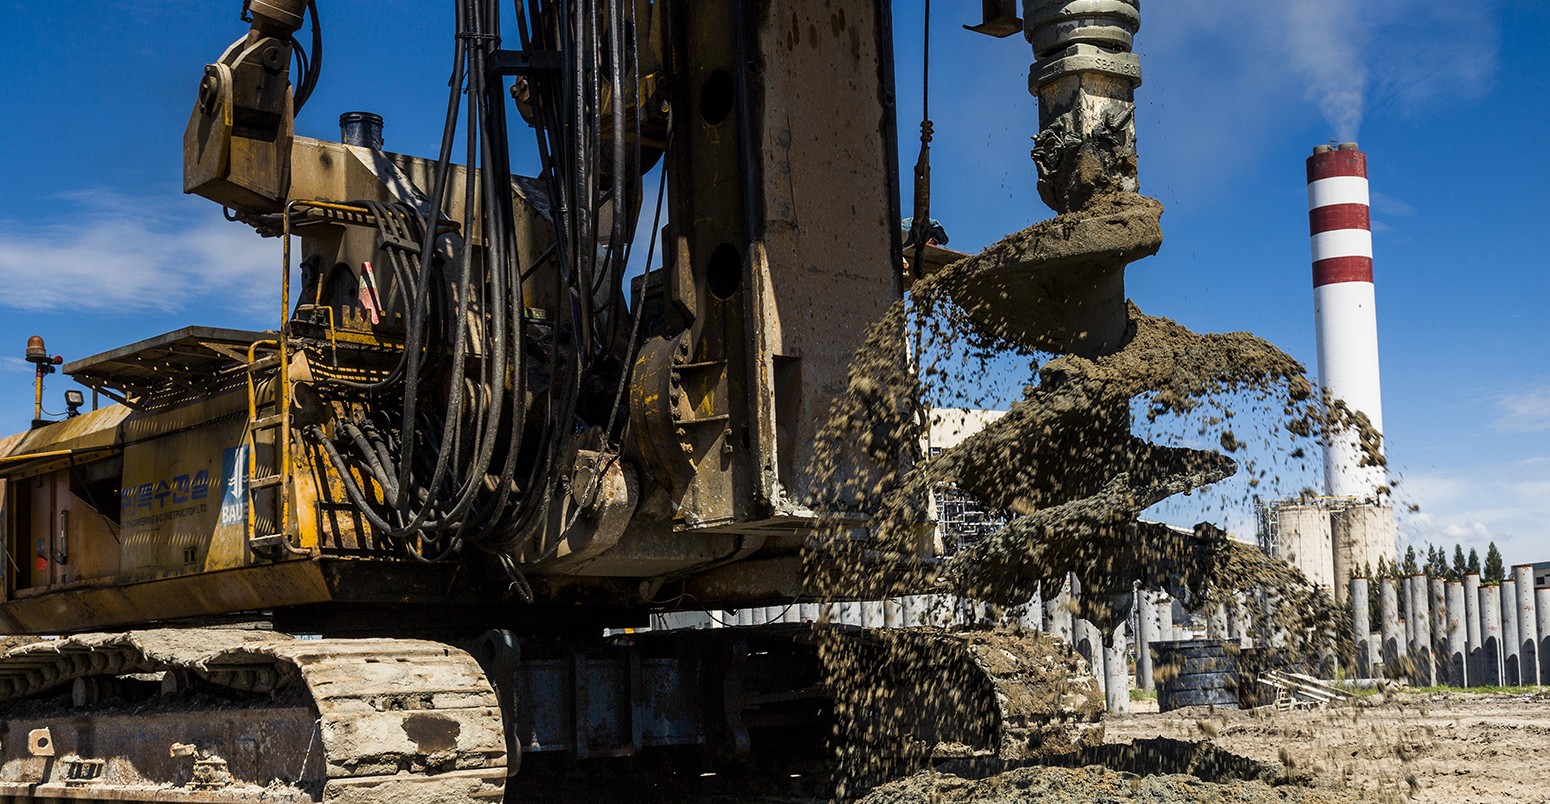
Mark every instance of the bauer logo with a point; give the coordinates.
(234, 497)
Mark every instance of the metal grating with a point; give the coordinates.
(191, 360)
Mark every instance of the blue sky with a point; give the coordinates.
(98, 247)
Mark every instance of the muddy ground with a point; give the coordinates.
(1432, 747)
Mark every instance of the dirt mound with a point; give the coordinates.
(1090, 785)
(1156, 771)
(1429, 748)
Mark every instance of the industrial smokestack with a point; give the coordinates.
(1343, 300)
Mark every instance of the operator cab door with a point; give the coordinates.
(60, 527)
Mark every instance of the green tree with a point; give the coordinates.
(1460, 566)
(1474, 562)
(1495, 570)
(1411, 567)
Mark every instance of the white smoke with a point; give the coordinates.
(1345, 57)
(1325, 41)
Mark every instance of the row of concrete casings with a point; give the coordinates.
(1459, 633)
(1152, 625)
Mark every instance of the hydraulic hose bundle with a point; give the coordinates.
(463, 440)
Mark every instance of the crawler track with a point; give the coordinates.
(224, 715)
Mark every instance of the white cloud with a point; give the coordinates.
(129, 254)
(1506, 503)
(15, 365)
(1385, 204)
(1526, 410)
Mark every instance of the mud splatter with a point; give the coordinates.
(1064, 464)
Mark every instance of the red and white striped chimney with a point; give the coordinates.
(1344, 306)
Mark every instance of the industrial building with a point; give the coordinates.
(1333, 537)
(960, 518)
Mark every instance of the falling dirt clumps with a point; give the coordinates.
(1064, 467)
(1065, 459)
(918, 695)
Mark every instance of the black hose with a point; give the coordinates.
(460, 471)
(311, 66)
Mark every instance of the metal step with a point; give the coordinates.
(268, 481)
(266, 362)
(268, 422)
(274, 541)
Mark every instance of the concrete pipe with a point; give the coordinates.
(1263, 632)
(1528, 624)
(1216, 623)
(1473, 667)
(1420, 619)
(962, 611)
(1032, 617)
(1116, 673)
(1511, 646)
(1439, 609)
(1542, 615)
(1057, 616)
(872, 614)
(1242, 628)
(1408, 625)
(1490, 636)
(1147, 632)
(1425, 638)
(1090, 644)
(1361, 627)
(942, 611)
(893, 612)
(1458, 649)
(1407, 607)
(1196, 672)
(1394, 653)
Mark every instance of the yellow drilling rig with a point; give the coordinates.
(370, 555)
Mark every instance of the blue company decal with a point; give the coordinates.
(234, 492)
(181, 490)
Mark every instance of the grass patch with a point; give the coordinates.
(1524, 690)
(1367, 692)
(1137, 694)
